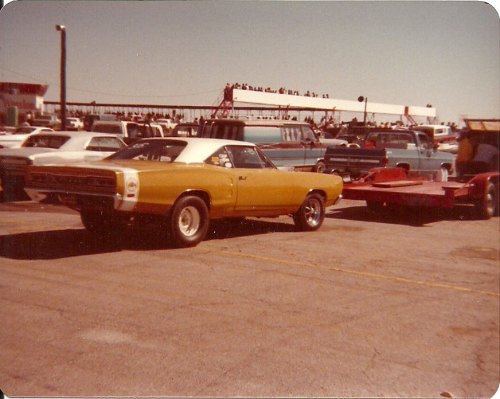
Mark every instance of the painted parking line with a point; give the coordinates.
(377, 276)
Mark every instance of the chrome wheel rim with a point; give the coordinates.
(312, 212)
(189, 221)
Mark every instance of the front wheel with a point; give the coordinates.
(189, 221)
(311, 213)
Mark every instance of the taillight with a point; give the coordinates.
(385, 161)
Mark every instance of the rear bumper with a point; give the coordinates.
(78, 201)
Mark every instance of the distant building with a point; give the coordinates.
(24, 98)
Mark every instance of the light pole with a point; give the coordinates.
(365, 99)
(62, 29)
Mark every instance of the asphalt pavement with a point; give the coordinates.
(393, 305)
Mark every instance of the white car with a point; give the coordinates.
(52, 148)
(168, 125)
(74, 124)
(16, 138)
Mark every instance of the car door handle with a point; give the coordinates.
(242, 178)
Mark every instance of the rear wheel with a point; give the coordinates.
(189, 221)
(488, 205)
(311, 213)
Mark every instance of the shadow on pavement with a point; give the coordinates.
(402, 215)
(77, 242)
(54, 244)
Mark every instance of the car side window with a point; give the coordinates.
(285, 134)
(398, 140)
(247, 157)
(296, 134)
(220, 158)
(291, 134)
(308, 134)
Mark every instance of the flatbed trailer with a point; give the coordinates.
(385, 187)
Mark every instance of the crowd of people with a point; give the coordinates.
(281, 90)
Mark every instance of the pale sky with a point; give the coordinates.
(166, 52)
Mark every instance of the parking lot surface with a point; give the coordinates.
(399, 305)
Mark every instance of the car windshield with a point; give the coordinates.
(45, 141)
(151, 150)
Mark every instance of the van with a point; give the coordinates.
(289, 144)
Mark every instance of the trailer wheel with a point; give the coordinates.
(487, 206)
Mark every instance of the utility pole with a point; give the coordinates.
(62, 29)
(365, 99)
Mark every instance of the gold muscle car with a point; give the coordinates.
(186, 182)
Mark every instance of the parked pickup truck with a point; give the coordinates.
(412, 150)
